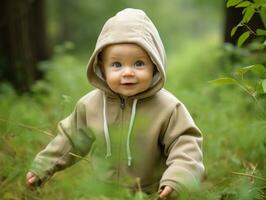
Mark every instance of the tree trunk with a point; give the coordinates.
(23, 42)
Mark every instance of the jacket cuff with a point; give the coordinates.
(41, 174)
(175, 185)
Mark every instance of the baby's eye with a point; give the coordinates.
(116, 64)
(139, 63)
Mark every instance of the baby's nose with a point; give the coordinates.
(128, 71)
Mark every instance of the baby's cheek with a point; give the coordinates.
(113, 84)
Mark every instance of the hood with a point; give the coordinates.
(129, 26)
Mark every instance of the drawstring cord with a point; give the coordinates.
(132, 118)
(106, 131)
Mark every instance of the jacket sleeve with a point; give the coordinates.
(182, 142)
(72, 137)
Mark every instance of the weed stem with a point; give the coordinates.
(249, 175)
(26, 126)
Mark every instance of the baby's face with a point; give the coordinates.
(127, 68)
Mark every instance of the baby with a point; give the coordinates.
(147, 134)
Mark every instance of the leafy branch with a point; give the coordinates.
(256, 86)
(249, 9)
(238, 79)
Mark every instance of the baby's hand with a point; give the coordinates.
(32, 180)
(166, 192)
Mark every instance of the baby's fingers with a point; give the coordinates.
(32, 180)
(166, 192)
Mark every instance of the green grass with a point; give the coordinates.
(233, 126)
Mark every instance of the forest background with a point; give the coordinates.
(216, 66)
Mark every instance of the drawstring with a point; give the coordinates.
(132, 118)
(106, 131)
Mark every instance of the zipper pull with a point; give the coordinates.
(122, 103)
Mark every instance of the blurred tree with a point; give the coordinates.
(23, 42)
(80, 21)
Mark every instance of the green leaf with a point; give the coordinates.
(232, 3)
(259, 87)
(243, 4)
(249, 12)
(260, 32)
(258, 68)
(243, 38)
(224, 81)
(233, 31)
(264, 43)
(263, 84)
(243, 11)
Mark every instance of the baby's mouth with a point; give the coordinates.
(128, 84)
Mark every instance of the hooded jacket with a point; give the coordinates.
(149, 137)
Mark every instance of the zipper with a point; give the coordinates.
(122, 103)
(122, 106)
(121, 137)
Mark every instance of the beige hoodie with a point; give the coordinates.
(149, 137)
